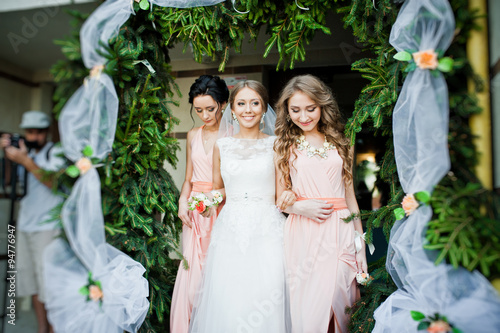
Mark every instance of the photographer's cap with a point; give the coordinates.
(35, 119)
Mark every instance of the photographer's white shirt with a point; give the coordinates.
(35, 207)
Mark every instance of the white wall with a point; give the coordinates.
(14, 5)
(15, 98)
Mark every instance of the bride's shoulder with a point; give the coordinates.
(224, 142)
(271, 139)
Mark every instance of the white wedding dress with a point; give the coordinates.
(243, 288)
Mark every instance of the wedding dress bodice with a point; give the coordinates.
(247, 169)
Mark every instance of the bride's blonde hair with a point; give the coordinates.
(330, 125)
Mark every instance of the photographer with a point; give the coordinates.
(33, 233)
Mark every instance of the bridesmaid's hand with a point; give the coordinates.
(212, 211)
(184, 213)
(286, 199)
(361, 260)
(314, 209)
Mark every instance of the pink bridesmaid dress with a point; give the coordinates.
(195, 241)
(320, 257)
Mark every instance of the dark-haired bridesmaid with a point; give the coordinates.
(208, 96)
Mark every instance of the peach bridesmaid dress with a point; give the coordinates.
(320, 257)
(195, 241)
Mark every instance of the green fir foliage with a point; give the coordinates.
(374, 294)
(212, 31)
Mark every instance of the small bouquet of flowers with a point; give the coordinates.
(201, 203)
(217, 198)
(363, 278)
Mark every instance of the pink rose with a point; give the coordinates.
(84, 165)
(95, 293)
(427, 59)
(439, 326)
(410, 204)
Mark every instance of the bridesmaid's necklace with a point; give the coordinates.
(303, 144)
(207, 138)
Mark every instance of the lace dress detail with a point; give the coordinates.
(243, 288)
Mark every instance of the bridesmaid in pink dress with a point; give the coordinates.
(313, 164)
(208, 96)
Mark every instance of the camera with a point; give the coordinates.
(14, 140)
(16, 137)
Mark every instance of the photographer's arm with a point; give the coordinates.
(20, 156)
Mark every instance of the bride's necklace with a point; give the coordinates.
(303, 144)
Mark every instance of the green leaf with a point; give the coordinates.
(87, 151)
(403, 56)
(411, 67)
(144, 4)
(423, 325)
(399, 213)
(72, 171)
(445, 64)
(417, 316)
(423, 196)
(456, 330)
(435, 73)
(84, 291)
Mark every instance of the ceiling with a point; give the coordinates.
(28, 35)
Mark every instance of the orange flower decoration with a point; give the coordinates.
(84, 165)
(95, 293)
(427, 59)
(410, 204)
(96, 70)
(439, 326)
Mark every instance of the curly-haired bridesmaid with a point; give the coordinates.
(314, 161)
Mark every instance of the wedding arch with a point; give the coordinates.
(121, 54)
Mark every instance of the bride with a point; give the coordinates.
(243, 288)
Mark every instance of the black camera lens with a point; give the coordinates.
(14, 140)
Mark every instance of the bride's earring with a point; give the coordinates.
(262, 119)
(235, 119)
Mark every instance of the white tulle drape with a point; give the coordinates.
(89, 119)
(420, 126)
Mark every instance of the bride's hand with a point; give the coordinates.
(286, 199)
(316, 210)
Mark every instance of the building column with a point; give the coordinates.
(478, 56)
